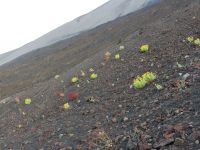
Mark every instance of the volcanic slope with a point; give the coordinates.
(107, 112)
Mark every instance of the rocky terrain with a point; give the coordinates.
(41, 109)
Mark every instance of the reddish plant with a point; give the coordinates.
(72, 95)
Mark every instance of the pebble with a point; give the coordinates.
(197, 142)
(185, 76)
(114, 120)
(162, 143)
(60, 136)
(120, 106)
(125, 119)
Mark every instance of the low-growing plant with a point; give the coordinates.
(144, 48)
(27, 101)
(72, 95)
(122, 47)
(66, 106)
(74, 79)
(98, 139)
(141, 81)
(190, 38)
(117, 56)
(158, 86)
(149, 76)
(197, 41)
(93, 76)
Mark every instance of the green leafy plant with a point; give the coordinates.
(93, 76)
(117, 56)
(158, 86)
(149, 76)
(141, 81)
(27, 101)
(190, 38)
(74, 79)
(66, 106)
(197, 41)
(144, 48)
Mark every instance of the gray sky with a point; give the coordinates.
(25, 20)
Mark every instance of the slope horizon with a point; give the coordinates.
(57, 34)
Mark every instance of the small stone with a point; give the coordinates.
(131, 145)
(120, 106)
(125, 119)
(185, 76)
(187, 56)
(69, 148)
(163, 142)
(60, 136)
(197, 142)
(114, 120)
(71, 135)
(178, 142)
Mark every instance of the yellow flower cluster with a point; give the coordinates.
(141, 81)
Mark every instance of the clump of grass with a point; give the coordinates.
(141, 81)
(98, 139)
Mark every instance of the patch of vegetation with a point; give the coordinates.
(144, 48)
(98, 139)
(141, 81)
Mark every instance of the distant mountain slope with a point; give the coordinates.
(107, 12)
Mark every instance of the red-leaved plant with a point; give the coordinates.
(72, 95)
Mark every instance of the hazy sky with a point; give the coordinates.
(25, 20)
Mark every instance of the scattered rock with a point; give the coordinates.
(179, 142)
(163, 142)
(131, 145)
(125, 119)
(185, 76)
(114, 120)
(60, 136)
(197, 142)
